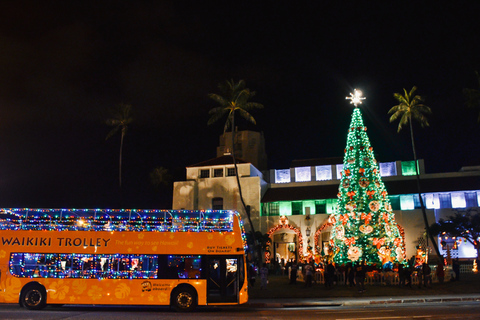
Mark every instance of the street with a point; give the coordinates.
(460, 310)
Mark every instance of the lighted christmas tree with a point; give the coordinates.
(364, 226)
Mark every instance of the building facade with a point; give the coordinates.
(293, 205)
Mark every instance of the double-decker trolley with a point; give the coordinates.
(122, 257)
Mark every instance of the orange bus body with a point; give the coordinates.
(127, 290)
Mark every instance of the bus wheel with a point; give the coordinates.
(33, 297)
(184, 299)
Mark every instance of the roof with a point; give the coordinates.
(428, 184)
(223, 160)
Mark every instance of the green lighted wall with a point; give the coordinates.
(408, 168)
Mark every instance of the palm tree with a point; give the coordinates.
(234, 100)
(411, 107)
(120, 120)
(473, 96)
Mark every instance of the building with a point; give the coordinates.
(292, 205)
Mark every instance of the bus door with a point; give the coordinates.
(223, 279)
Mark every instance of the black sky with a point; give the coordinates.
(64, 64)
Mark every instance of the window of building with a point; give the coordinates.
(231, 172)
(303, 174)
(395, 202)
(408, 168)
(320, 207)
(323, 173)
(471, 199)
(297, 208)
(432, 201)
(282, 176)
(217, 204)
(271, 209)
(445, 200)
(388, 169)
(339, 171)
(205, 173)
(218, 172)
(407, 202)
(416, 201)
(458, 200)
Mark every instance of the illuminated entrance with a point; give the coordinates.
(287, 241)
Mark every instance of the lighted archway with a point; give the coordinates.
(292, 228)
(320, 230)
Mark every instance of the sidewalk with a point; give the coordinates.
(281, 294)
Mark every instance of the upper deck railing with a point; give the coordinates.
(118, 220)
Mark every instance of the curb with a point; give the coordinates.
(363, 302)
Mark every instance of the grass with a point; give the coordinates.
(279, 288)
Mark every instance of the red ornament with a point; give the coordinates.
(344, 219)
(366, 217)
(378, 242)
(349, 241)
(370, 193)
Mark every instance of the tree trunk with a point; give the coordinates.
(422, 204)
(247, 211)
(120, 159)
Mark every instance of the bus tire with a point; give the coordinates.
(184, 299)
(33, 297)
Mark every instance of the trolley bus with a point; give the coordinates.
(122, 257)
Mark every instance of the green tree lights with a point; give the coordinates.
(363, 226)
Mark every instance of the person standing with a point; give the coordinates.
(263, 276)
(401, 275)
(252, 272)
(360, 273)
(308, 274)
(293, 272)
(350, 274)
(330, 277)
(407, 271)
(456, 269)
(440, 272)
(427, 277)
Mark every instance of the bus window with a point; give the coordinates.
(184, 267)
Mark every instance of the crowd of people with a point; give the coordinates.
(354, 274)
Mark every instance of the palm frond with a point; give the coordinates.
(247, 116)
(253, 105)
(235, 98)
(216, 115)
(112, 132)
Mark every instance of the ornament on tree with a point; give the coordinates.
(366, 229)
(364, 226)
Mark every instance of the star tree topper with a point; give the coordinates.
(356, 97)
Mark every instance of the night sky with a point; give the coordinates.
(65, 64)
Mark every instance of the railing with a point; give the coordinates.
(389, 278)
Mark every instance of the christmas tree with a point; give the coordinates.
(363, 226)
